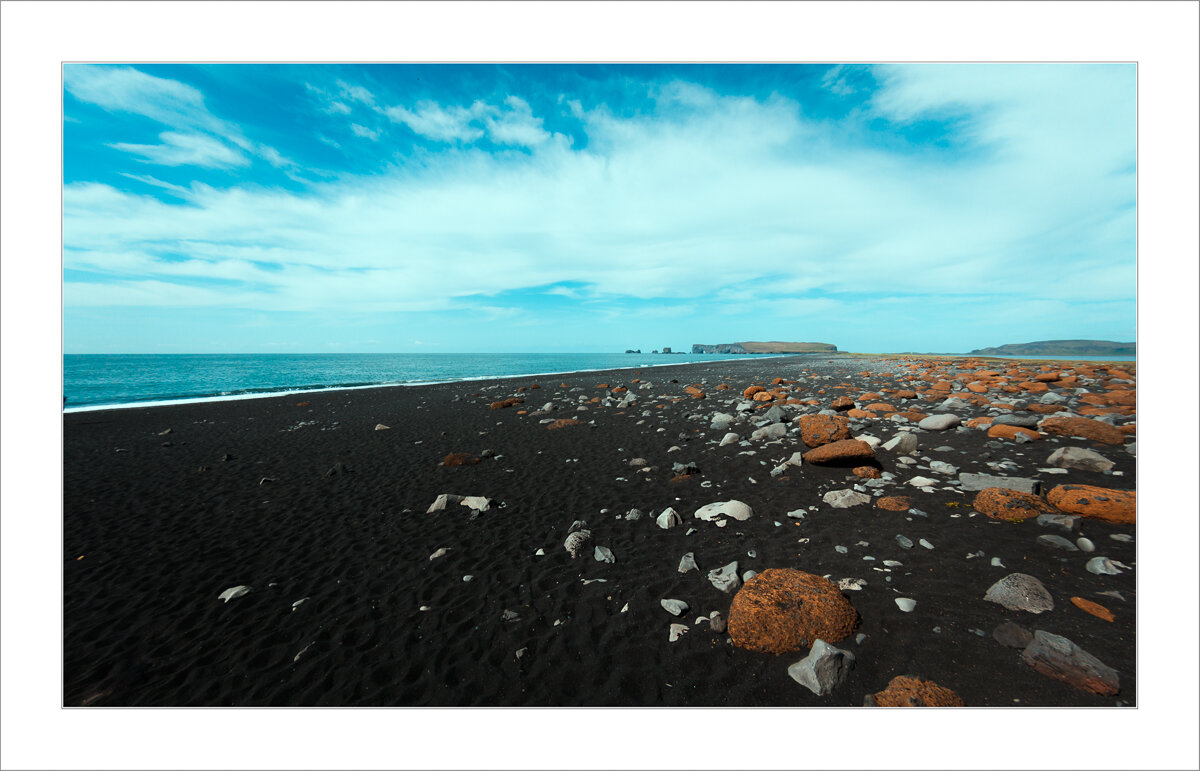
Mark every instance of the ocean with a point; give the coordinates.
(93, 381)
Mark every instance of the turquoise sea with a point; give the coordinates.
(92, 381)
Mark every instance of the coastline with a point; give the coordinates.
(300, 498)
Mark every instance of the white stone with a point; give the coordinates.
(844, 499)
(677, 631)
(674, 607)
(668, 519)
(233, 593)
(906, 604)
(733, 509)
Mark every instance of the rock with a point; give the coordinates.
(818, 430)
(941, 467)
(902, 443)
(476, 502)
(1080, 459)
(773, 431)
(233, 593)
(717, 622)
(1103, 566)
(677, 631)
(925, 544)
(922, 482)
(633, 515)
(1017, 419)
(504, 403)
(783, 610)
(1086, 428)
(908, 691)
(866, 472)
(1085, 544)
(509, 615)
(1119, 506)
(668, 519)
(893, 503)
(844, 499)
(1063, 660)
(851, 584)
(1009, 505)
(442, 552)
(381, 427)
(1012, 635)
(685, 469)
(604, 554)
(940, 422)
(730, 438)
(688, 563)
(732, 509)
(563, 423)
(823, 669)
(844, 451)
(775, 414)
(1020, 591)
(577, 542)
(460, 459)
(720, 421)
(1063, 522)
(975, 482)
(725, 578)
(637, 462)
(905, 604)
(905, 543)
(473, 502)
(1095, 608)
(674, 607)
(1057, 542)
(842, 403)
(1013, 433)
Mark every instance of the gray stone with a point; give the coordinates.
(941, 422)
(578, 524)
(717, 622)
(904, 542)
(725, 578)
(1061, 659)
(823, 669)
(1012, 635)
(1103, 566)
(721, 421)
(1081, 459)
(233, 593)
(688, 563)
(941, 467)
(775, 414)
(773, 431)
(439, 553)
(604, 554)
(674, 607)
(677, 631)
(925, 543)
(748, 575)
(906, 604)
(685, 469)
(922, 482)
(577, 542)
(902, 443)
(730, 438)
(733, 509)
(509, 615)
(1020, 591)
(972, 483)
(1017, 419)
(844, 499)
(1065, 522)
(668, 519)
(633, 515)
(1085, 544)
(637, 462)
(1057, 542)
(1050, 397)
(953, 403)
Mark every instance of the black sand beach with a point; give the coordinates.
(300, 498)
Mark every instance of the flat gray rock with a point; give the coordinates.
(1020, 591)
(732, 509)
(975, 482)
(674, 607)
(902, 443)
(905, 543)
(604, 554)
(823, 669)
(1080, 459)
(677, 631)
(633, 515)
(1017, 419)
(725, 578)
(906, 604)
(773, 431)
(844, 499)
(941, 422)
(1065, 522)
(688, 563)
(1056, 542)
(1103, 566)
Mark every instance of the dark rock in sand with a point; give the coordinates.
(460, 459)
(1020, 591)
(1012, 635)
(1061, 659)
(783, 610)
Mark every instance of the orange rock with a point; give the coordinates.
(764, 396)
(913, 415)
(1082, 427)
(521, 389)
(978, 388)
(816, 430)
(1010, 505)
(866, 472)
(563, 423)
(1118, 506)
(1095, 608)
(506, 403)
(603, 385)
(776, 381)
(459, 459)
(1034, 386)
(620, 390)
(907, 691)
(840, 451)
(594, 400)
(893, 503)
(722, 387)
(1001, 406)
(522, 412)
(302, 404)
(1010, 432)
(1128, 428)
(906, 394)
(880, 407)
(1048, 377)
(751, 391)
(977, 422)
(941, 385)
(783, 610)
(858, 414)
(694, 392)
(1044, 409)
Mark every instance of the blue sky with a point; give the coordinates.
(454, 208)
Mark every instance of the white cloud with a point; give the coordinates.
(338, 108)
(745, 202)
(187, 150)
(356, 93)
(363, 131)
(517, 125)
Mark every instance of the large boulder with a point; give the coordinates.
(1086, 428)
(1063, 660)
(1010, 505)
(1119, 506)
(783, 610)
(1080, 459)
(1020, 591)
(845, 451)
(940, 422)
(908, 691)
(817, 430)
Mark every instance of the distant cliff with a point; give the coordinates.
(772, 347)
(1061, 348)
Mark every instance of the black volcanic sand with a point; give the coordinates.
(154, 533)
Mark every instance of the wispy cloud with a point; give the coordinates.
(363, 131)
(445, 124)
(186, 149)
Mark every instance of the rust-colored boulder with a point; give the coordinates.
(1119, 506)
(763, 396)
(842, 451)
(1044, 409)
(893, 503)
(880, 407)
(1083, 427)
(460, 459)
(866, 472)
(980, 421)
(503, 403)
(908, 691)
(1010, 505)
(858, 414)
(563, 423)
(906, 394)
(816, 430)
(783, 610)
(694, 392)
(1095, 608)
(1010, 432)
(751, 391)
(842, 403)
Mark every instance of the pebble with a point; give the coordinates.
(468, 579)
(1122, 537)
(1103, 566)
(442, 552)
(841, 549)
(717, 622)
(604, 554)
(905, 604)
(844, 499)
(904, 542)
(823, 669)
(1056, 542)
(1020, 591)
(688, 563)
(996, 563)
(925, 543)
(677, 631)
(233, 593)
(851, 584)
(674, 607)
(1085, 544)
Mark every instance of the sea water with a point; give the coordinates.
(92, 381)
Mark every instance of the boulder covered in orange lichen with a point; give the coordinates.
(1010, 505)
(816, 430)
(842, 403)
(1083, 427)
(563, 423)
(1119, 506)
(866, 472)
(908, 691)
(460, 459)
(506, 403)
(751, 391)
(842, 451)
(783, 610)
(1010, 432)
(893, 503)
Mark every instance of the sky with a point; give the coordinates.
(229, 208)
